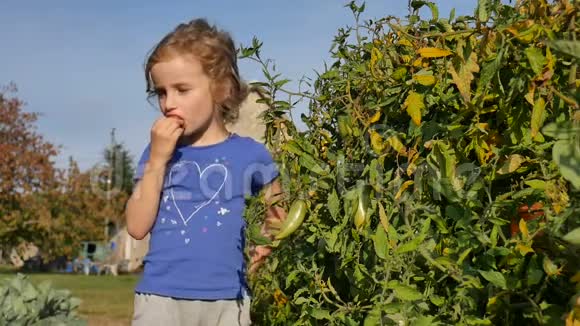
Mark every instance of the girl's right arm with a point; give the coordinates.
(143, 204)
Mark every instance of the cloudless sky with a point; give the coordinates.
(80, 63)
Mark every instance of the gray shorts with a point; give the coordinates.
(156, 310)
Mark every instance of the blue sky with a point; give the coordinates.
(80, 63)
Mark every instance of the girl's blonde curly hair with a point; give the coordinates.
(217, 53)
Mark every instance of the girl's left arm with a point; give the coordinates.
(274, 213)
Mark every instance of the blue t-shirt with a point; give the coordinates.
(196, 248)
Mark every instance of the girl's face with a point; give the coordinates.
(184, 92)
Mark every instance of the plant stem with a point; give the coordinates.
(566, 99)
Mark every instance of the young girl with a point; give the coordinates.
(191, 184)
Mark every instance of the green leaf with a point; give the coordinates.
(405, 292)
(29, 292)
(442, 162)
(493, 236)
(536, 184)
(437, 300)
(483, 7)
(417, 241)
(255, 236)
(566, 154)
(571, 48)
(489, 70)
(534, 276)
(291, 277)
(536, 59)
(538, 116)
(320, 314)
(331, 237)
(440, 223)
(573, 237)
(463, 256)
(424, 321)
(333, 204)
(292, 147)
(471, 320)
(393, 235)
(561, 130)
(302, 300)
(373, 318)
(496, 278)
(381, 242)
(442, 158)
(312, 164)
(417, 4)
(281, 83)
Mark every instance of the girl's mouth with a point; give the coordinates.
(174, 115)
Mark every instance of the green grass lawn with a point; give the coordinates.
(106, 300)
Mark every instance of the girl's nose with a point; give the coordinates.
(170, 103)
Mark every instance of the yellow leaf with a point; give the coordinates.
(513, 163)
(411, 169)
(383, 217)
(375, 117)
(397, 145)
(414, 104)
(575, 278)
(530, 96)
(405, 42)
(571, 320)
(538, 116)
(418, 62)
(433, 52)
(376, 142)
(425, 80)
(376, 56)
(524, 229)
(413, 156)
(524, 249)
(491, 301)
(400, 73)
(483, 151)
(404, 187)
(550, 268)
(463, 76)
(406, 58)
(482, 126)
(558, 195)
(550, 58)
(525, 31)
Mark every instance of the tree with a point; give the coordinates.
(53, 208)
(120, 162)
(26, 166)
(113, 180)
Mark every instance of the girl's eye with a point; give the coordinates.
(182, 90)
(160, 93)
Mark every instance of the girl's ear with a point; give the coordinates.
(221, 91)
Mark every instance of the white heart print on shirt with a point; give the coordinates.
(201, 174)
